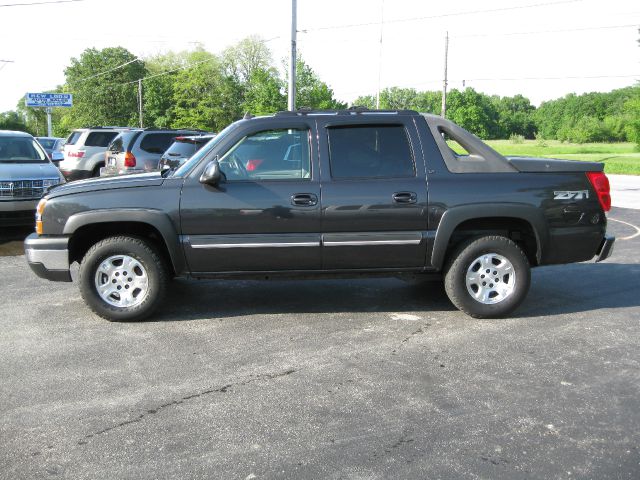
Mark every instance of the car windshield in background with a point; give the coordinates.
(47, 142)
(193, 161)
(21, 149)
(182, 148)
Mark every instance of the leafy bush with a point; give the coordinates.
(515, 138)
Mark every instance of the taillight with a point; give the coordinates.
(129, 159)
(77, 154)
(600, 184)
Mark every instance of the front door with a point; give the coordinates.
(266, 215)
(374, 194)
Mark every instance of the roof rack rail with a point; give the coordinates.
(98, 127)
(355, 110)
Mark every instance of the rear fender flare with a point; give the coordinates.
(456, 215)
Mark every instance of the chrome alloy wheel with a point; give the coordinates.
(122, 281)
(490, 279)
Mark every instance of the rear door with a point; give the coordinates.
(374, 194)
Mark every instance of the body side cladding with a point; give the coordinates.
(456, 215)
(155, 218)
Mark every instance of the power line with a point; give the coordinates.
(38, 3)
(533, 32)
(442, 15)
(106, 71)
(571, 77)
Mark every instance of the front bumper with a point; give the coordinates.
(18, 212)
(48, 257)
(606, 248)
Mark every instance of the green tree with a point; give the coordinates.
(204, 95)
(11, 120)
(632, 109)
(104, 87)
(263, 92)
(515, 116)
(473, 111)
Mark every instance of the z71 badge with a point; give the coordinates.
(571, 195)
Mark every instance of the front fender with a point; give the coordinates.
(156, 218)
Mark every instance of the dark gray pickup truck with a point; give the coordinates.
(333, 193)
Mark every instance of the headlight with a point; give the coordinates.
(39, 210)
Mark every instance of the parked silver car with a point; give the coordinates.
(25, 174)
(84, 151)
(138, 151)
(54, 147)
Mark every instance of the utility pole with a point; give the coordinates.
(380, 54)
(443, 113)
(292, 60)
(140, 101)
(49, 129)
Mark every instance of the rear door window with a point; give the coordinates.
(370, 151)
(157, 142)
(99, 139)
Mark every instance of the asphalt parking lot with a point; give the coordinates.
(345, 379)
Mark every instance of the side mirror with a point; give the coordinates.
(212, 173)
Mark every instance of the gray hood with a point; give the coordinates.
(28, 171)
(151, 179)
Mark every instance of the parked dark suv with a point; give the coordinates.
(139, 150)
(182, 149)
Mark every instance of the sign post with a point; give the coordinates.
(48, 100)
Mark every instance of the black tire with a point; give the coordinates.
(462, 262)
(150, 266)
(96, 170)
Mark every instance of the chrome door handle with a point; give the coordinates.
(405, 197)
(304, 199)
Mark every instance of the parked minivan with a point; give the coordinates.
(25, 174)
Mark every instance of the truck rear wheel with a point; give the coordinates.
(122, 278)
(487, 277)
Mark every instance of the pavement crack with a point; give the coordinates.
(186, 398)
(409, 337)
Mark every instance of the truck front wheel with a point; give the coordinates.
(122, 278)
(487, 277)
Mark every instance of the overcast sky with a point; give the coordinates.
(495, 47)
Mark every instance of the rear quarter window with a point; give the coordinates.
(99, 139)
(73, 137)
(157, 142)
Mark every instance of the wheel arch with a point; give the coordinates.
(462, 222)
(86, 228)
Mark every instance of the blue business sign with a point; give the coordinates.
(48, 100)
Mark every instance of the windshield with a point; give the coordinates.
(47, 142)
(200, 154)
(21, 149)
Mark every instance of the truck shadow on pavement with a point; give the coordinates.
(11, 240)
(554, 290)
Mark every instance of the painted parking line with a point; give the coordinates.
(629, 224)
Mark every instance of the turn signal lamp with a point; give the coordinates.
(39, 210)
